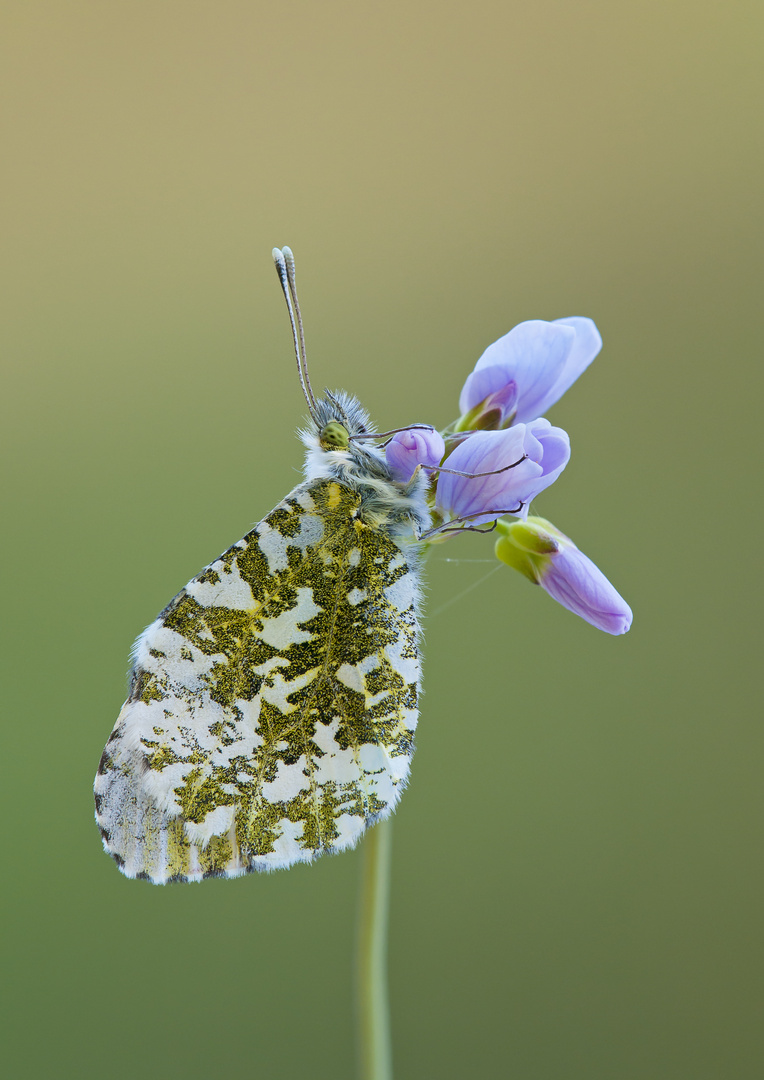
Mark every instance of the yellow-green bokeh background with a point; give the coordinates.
(577, 878)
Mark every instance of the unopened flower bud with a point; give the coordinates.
(550, 559)
(412, 447)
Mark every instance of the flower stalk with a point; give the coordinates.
(372, 1007)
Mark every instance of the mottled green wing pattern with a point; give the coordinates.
(273, 703)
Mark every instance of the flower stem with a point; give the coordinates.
(375, 1050)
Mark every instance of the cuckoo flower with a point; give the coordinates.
(412, 447)
(522, 461)
(525, 372)
(550, 559)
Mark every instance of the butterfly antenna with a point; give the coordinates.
(289, 257)
(284, 260)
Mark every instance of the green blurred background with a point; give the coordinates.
(577, 877)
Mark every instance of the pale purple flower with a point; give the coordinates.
(550, 558)
(415, 446)
(525, 372)
(484, 498)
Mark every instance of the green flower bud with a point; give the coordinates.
(527, 546)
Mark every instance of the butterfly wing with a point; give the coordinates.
(272, 704)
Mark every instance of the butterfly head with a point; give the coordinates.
(336, 442)
(334, 436)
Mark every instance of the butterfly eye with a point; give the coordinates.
(333, 436)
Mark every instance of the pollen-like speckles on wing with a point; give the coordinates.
(273, 703)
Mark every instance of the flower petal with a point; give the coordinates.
(534, 355)
(554, 454)
(585, 347)
(574, 581)
(415, 446)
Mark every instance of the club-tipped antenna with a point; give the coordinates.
(284, 260)
(289, 257)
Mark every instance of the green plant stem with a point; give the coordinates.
(375, 1049)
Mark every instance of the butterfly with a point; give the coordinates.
(272, 704)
